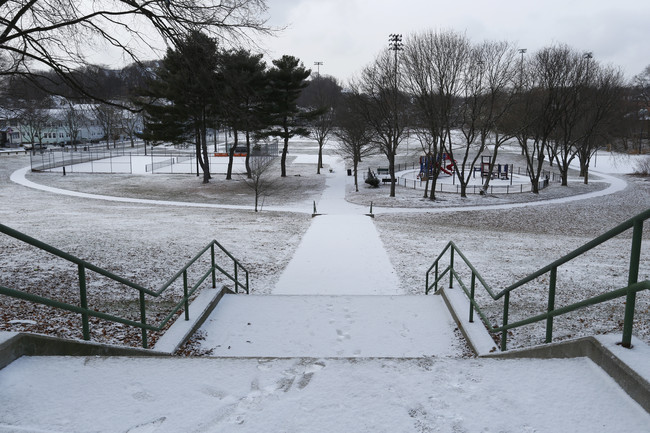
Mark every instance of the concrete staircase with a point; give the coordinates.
(313, 364)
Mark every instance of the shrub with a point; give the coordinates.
(372, 179)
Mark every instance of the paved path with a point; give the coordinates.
(341, 252)
(615, 185)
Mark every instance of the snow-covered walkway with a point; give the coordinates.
(341, 253)
(338, 264)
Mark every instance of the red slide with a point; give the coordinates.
(449, 169)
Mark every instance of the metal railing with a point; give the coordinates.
(83, 266)
(630, 291)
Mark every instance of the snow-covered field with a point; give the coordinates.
(147, 242)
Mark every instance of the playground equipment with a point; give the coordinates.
(500, 172)
(428, 162)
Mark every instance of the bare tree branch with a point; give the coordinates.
(62, 35)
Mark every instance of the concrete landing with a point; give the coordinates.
(331, 326)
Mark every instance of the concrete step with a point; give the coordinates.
(331, 326)
(137, 395)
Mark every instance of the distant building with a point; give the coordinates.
(58, 124)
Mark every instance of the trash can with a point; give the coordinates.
(349, 172)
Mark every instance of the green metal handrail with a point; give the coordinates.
(82, 266)
(634, 286)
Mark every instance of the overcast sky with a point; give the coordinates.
(346, 35)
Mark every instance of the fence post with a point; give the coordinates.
(143, 319)
(187, 302)
(633, 276)
(83, 300)
(504, 333)
(551, 304)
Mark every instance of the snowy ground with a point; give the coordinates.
(147, 241)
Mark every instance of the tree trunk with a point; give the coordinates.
(231, 154)
(249, 174)
(535, 186)
(320, 155)
(463, 189)
(285, 150)
(391, 171)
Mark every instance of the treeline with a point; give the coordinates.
(463, 99)
(457, 97)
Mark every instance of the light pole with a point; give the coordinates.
(588, 56)
(318, 65)
(395, 45)
(522, 51)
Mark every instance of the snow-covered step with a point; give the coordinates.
(331, 326)
(99, 394)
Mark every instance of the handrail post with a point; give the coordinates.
(214, 277)
(83, 300)
(436, 283)
(236, 279)
(633, 276)
(504, 333)
(451, 268)
(143, 319)
(551, 304)
(426, 283)
(187, 302)
(471, 298)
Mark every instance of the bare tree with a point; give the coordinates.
(602, 113)
(109, 119)
(34, 117)
(383, 106)
(57, 35)
(260, 180)
(354, 135)
(71, 120)
(472, 110)
(322, 96)
(131, 122)
(641, 95)
(500, 70)
(568, 86)
(536, 105)
(434, 64)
